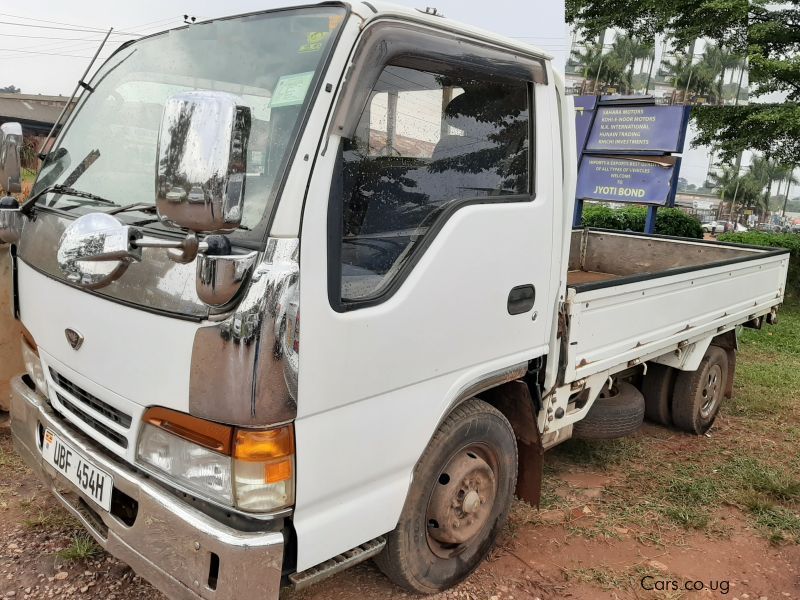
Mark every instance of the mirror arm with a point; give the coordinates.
(183, 251)
(187, 249)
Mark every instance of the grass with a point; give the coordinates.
(601, 454)
(81, 547)
(52, 519)
(668, 484)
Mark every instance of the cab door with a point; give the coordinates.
(425, 266)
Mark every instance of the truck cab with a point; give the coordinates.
(294, 293)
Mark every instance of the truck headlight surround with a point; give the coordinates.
(32, 362)
(250, 469)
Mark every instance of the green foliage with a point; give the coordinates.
(769, 33)
(669, 221)
(722, 20)
(773, 129)
(673, 221)
(790, 241)
(82, 547)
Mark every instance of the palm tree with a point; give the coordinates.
(627, 50)
(587, 56)
(743, 190)
(767, 171)
(790, 179)
(715, 62)
(680, 71)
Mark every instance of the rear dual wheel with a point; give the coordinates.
(698, 394)
(458, 501)
(657, 387)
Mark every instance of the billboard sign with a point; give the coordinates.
(584, 113)
(638, 128)
(627, 179)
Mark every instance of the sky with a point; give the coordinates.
(42, 50)
(52, 66)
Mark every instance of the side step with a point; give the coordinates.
(338, 563)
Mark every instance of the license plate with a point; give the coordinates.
(93, 482)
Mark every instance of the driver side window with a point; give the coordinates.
(425, 144)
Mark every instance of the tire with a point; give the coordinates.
(426, 553)
(618, 412)
(698, 394)
(657, 390)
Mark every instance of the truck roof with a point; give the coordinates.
(374, 10)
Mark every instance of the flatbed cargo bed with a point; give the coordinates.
(633, 297)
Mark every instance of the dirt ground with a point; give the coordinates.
(10, 359)
(543, 555)
(642, 517)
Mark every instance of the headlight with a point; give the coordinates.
(33, 365)
(250, 469)
(195, 467)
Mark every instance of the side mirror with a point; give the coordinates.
(11, 220)
(202, 161)
(96, 249)
(10, 165)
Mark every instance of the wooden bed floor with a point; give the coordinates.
(579, 277)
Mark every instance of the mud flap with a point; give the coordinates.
(513, 399)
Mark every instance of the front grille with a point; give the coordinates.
(93, 402)
(102, 429)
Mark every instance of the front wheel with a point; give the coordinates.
(458, 501)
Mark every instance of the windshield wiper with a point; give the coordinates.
(138, 206)
(63, 190)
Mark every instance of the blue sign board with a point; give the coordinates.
(638, 128)
(616, 179)
(584, 113)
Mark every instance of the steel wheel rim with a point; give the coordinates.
(469, 503)
(711, 391)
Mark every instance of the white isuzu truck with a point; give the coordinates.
(299, 288)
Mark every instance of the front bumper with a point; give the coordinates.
(180, 550)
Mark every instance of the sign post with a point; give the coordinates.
(627, 151)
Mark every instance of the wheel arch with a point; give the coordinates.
(507, 391)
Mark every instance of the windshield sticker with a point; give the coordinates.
(291, 89)
(334, 21)
(314, 41)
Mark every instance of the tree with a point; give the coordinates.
(686, 20)
(768, 34)
(743, 189)
(585, 59)
(774, 60)
(766, 172)
(629, 50)
(10, 89)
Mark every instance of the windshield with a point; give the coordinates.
(269, 60)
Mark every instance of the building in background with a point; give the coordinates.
(36, 114)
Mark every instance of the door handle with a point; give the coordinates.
(521, 299)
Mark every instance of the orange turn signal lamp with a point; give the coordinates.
(274, 447)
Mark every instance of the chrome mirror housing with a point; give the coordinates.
(202, 161)
(11, 220)
(10, 165)
(96, 249)
(220, 277)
